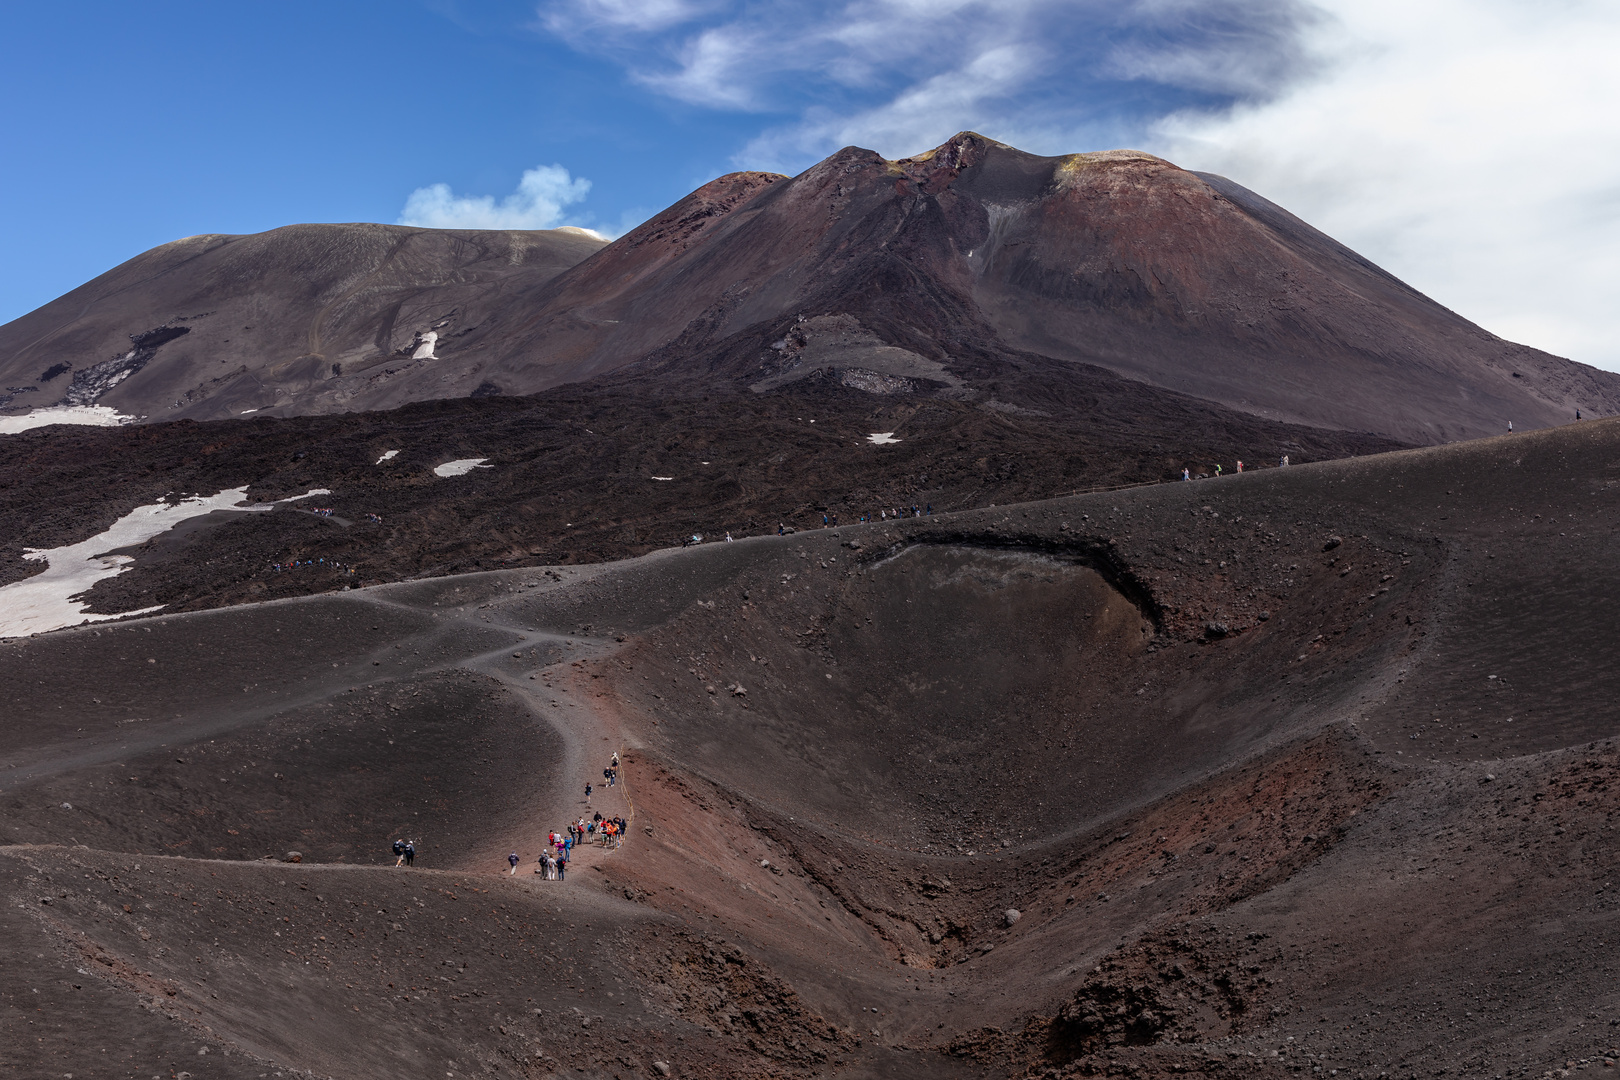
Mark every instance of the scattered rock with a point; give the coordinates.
(293, 856)
(1215, 629)
(1012, 915)
(661, 1068)
(1332, 542)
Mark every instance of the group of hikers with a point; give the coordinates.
(830, 521)
(404, 852)
(553, 861)
(297, 564)
(605, 831)
(1186, 474)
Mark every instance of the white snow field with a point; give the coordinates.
(388, 455)
(88, 415)
(47, 601)
(424, 351)
(461, 466)
(882, 438)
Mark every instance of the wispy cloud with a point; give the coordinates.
(901, 75)
(538, 203)
(921, 116)
(585, 17)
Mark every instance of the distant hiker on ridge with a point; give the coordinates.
(512, 860)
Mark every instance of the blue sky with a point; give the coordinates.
(1425, 136)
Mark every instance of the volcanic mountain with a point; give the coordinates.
(973, 271)
(306, 317)
(1306, 769)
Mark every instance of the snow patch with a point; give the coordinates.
(388, 455)
(424, 346)
(88, 415)
(461, 466)
(660, 478)
(47, 601)
(882, 438)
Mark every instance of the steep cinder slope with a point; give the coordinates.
(1191, 281)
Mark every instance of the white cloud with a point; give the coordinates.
(761, 57)
(1251, 48)
(711, 70)
(537, 203)
(900, 76)
(1468, 146)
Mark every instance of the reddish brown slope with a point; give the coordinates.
(1190, 281)
(975, 253)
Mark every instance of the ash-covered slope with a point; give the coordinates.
(310, 318)
(1305, 771)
